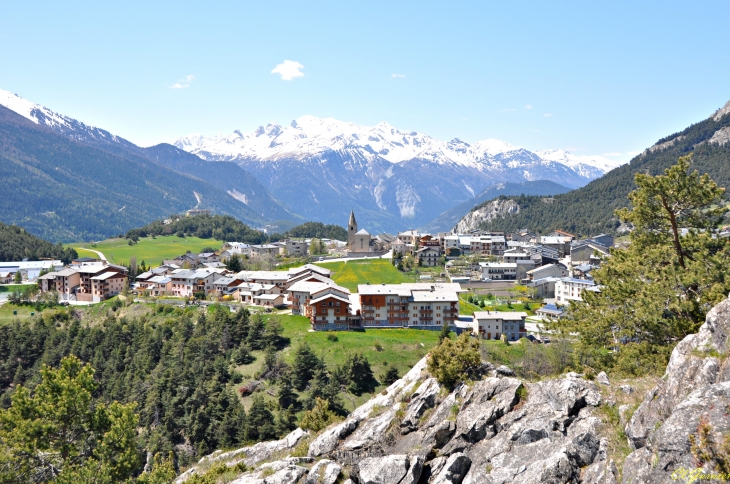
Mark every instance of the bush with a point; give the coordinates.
(319, 417)
(332, 337)
(390, 376)
(453, 361)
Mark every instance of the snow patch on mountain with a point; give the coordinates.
(584, 165)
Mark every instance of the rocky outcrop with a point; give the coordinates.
(721, 136)
(488, 211)
(694, 389)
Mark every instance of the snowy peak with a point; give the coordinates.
(63, 124)
(563, 157)
(310, 136)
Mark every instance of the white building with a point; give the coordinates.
(30, 270)
(569, 289)
(414, 305)
(498, 270)
(494, 324)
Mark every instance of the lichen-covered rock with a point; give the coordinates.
(423, 399)
(382, 470)
(288, 475)
(602, 378)
(695, 388)
(600, 473)
(324, 472)
(453, 470)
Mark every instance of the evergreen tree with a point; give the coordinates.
(390, 376)
(305, 365)
(445, 332)
(360, 375)
(260, 423)
(659, 289)
(234, 264)
(60, 431)
(287, 398)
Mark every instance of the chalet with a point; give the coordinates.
(494, 324)
(428, 256)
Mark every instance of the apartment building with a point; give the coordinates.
(414, 305)
(88, 282)
(487, 245)
(328, 308)
(568, 289)
(498, 270)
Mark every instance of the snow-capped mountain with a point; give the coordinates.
(63, 124)
(256, 203)
(398, 178)
(587, 166)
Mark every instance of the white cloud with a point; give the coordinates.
(547, 115)
(289, 70)
(398, 76)
(508, 110)
(184, 82)
(528, 106)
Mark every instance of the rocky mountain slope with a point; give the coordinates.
(589, 210)
(392, 178)
(253, 203)
(450, 218)
(500, 429)
(487, 212)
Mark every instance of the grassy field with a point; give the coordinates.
(375, 271)
(15, 287)
(7, 316)
(151, 251)
(384, 348)
(468, 308)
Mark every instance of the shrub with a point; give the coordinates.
(319, 417)
(453, 361)
(332, 337)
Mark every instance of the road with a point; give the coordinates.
(101, 256)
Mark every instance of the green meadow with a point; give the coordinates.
(151, 251)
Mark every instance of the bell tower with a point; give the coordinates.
(351, 230)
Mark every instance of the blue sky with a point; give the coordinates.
(591, 77)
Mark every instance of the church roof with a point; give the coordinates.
(352, 218)
(362, 232)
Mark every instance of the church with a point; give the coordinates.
(358, 240)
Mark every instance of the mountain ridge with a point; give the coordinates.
(589, 210)
(394, 179)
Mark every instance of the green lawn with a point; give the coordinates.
(7, 316)
(375, 271)
(151, 251)
(15, 287)
(384, 348)
(494, 305)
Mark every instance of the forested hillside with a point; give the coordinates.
(318, 230)
(590, 210)
(219, 227)
(173, 363)
(65, 190)
(16, 244)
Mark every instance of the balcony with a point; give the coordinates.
(368, 311)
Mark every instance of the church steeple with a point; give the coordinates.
(351, 230)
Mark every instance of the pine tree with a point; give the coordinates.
(304, 366)
(659, 289)
(76, 436)
(287, 398)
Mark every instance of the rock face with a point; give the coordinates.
(492, 210)
(500, 429)
(694, 389)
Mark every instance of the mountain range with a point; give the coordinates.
(393, 179)
(589, 210)
(67, 181)
(324, 168)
